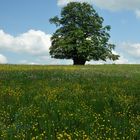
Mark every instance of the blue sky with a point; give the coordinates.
(25, 30)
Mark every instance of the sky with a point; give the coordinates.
(25, 30)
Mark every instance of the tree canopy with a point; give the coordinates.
(80, 35)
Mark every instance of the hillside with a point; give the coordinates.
(97, 102)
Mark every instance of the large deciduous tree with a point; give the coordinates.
(80, 35)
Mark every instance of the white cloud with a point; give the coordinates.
(64, 2)
(132, 49)
(53, 61)
(137, 12)
(32, 42)
(3, 59)
(129, 53)
(112, 5)
(34, 49)
(109, 4)
(122, 60)
(27, 62)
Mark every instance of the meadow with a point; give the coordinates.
(92, 102)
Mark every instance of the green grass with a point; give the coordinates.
(99, 102)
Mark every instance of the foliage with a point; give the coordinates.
(70, 102)
(81, 35)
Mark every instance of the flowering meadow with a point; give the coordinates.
(92, 102)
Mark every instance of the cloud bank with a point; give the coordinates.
(109, 4)
(137, 13)
(112, 5)
(36, 44)
(32, 42)
(3, 59)
(33, 45)
(132, 49)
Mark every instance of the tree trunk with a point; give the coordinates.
(79, 61)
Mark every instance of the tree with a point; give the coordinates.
(81, 35)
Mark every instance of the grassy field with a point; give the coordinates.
(99, 102)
